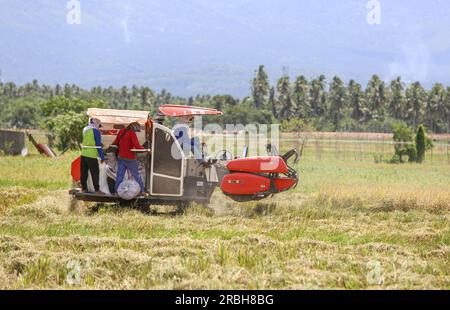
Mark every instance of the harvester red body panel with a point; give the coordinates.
(284, 184)
(257, 177)
(75, 169)
(244, 184)
(267, 164)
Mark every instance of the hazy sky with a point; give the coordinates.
(202, 46)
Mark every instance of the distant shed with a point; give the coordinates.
(12, 142)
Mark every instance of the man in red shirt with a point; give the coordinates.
(127, 140)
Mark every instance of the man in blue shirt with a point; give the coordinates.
(188, 144)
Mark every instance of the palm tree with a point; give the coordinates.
(76, 90)
(273, 102)
(146, 94)
(134, 91)
(35, 85)
(376, 97)
(260, 88)
(300, 97)
(58, 90)
(356, 97)
(125, 96)
(447, 109)
(316, 94)
(397, 100)
(67, 91)
(284, 97)
(415, 99)
(435, 106)
(336, 97)
(11, 90)
(47, 90)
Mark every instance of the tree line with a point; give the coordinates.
(318, 103)
(335, 106)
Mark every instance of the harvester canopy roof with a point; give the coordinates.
(109, 116)
(185, 110)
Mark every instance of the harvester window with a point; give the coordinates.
(165, 162)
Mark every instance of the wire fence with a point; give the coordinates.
(377, 150)
(335, 146)
(341, 146)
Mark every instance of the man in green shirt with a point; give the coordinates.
(92, 150)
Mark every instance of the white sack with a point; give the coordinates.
(90, 184)
(128, 189)
(103, 180)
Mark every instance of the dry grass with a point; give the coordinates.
(384, 200)
(13, 196)
(342, 219)
(257, 246)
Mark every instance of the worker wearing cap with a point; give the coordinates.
(188, 144)
(127, 140)
(92, 150)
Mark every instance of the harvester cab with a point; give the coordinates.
(174, 177)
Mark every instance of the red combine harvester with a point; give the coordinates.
(181, 179)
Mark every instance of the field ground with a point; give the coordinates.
(350, 224)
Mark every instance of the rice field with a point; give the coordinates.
(350, 224)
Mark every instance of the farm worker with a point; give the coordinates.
(127, 140)
(92, 149)
(188, 144)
